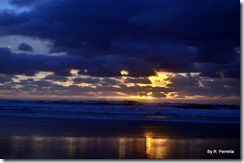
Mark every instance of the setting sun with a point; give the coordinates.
(160, 79)
(149, 97)
(142, 97)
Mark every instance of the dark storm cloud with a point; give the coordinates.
(162, 55)
(20, 63)
(215, 70)
(9, 18)
(183, 82)
(22, 2)
(138, 80)
(109, 81)
(111, 65)
(6, 87)
(137, 36)
(208, 87)
(5, 78)
(56, 78)
(86, 80)
(25, 47)
(189, 19)
(39, 87)
(175, 58)
(91, 24)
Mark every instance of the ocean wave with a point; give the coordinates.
(121, 110)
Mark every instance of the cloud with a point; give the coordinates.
(112, 65)
(230, 70)
(25, 47)
(21, 63)
(138, 80)
(5, 78)
(206, 87)
(29, 64)
(88, 80)
(139, 36)
(10, 19)
(180, 81)
(109, 81)
(191, 20)
(22, 2)
(56, 78)
(102, 38)
(181, 86)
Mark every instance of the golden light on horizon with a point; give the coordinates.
(74, 72)
(161, 79)
(171, 95)
(124, 72)
(142, 97)
(149, 97)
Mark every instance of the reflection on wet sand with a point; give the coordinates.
(110, 147)
(70, 144)
(156, 148)
(122, 147)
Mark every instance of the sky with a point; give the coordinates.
(151, 50)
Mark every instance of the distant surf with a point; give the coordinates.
(121, 110)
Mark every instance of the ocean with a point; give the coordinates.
(121, 110)
(68, 129)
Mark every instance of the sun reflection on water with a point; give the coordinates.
(148, 146)
(156, 148)
(70, 144)
(122, 148)
(71, 147)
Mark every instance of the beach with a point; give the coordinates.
(56, 138)
(125, 79)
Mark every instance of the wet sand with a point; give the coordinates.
(29, 138)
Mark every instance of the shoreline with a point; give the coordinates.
(113, 128)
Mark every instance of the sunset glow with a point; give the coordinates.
(120, 79)
(66, 62)
(124, 72)
(161, 79)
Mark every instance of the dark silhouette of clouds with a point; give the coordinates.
(86, 80)
(162, 35)
(21, 3)
(25, 47)
(10, 19)
(56, 78)
(101, 38)
(5, 78)
(138, 80)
